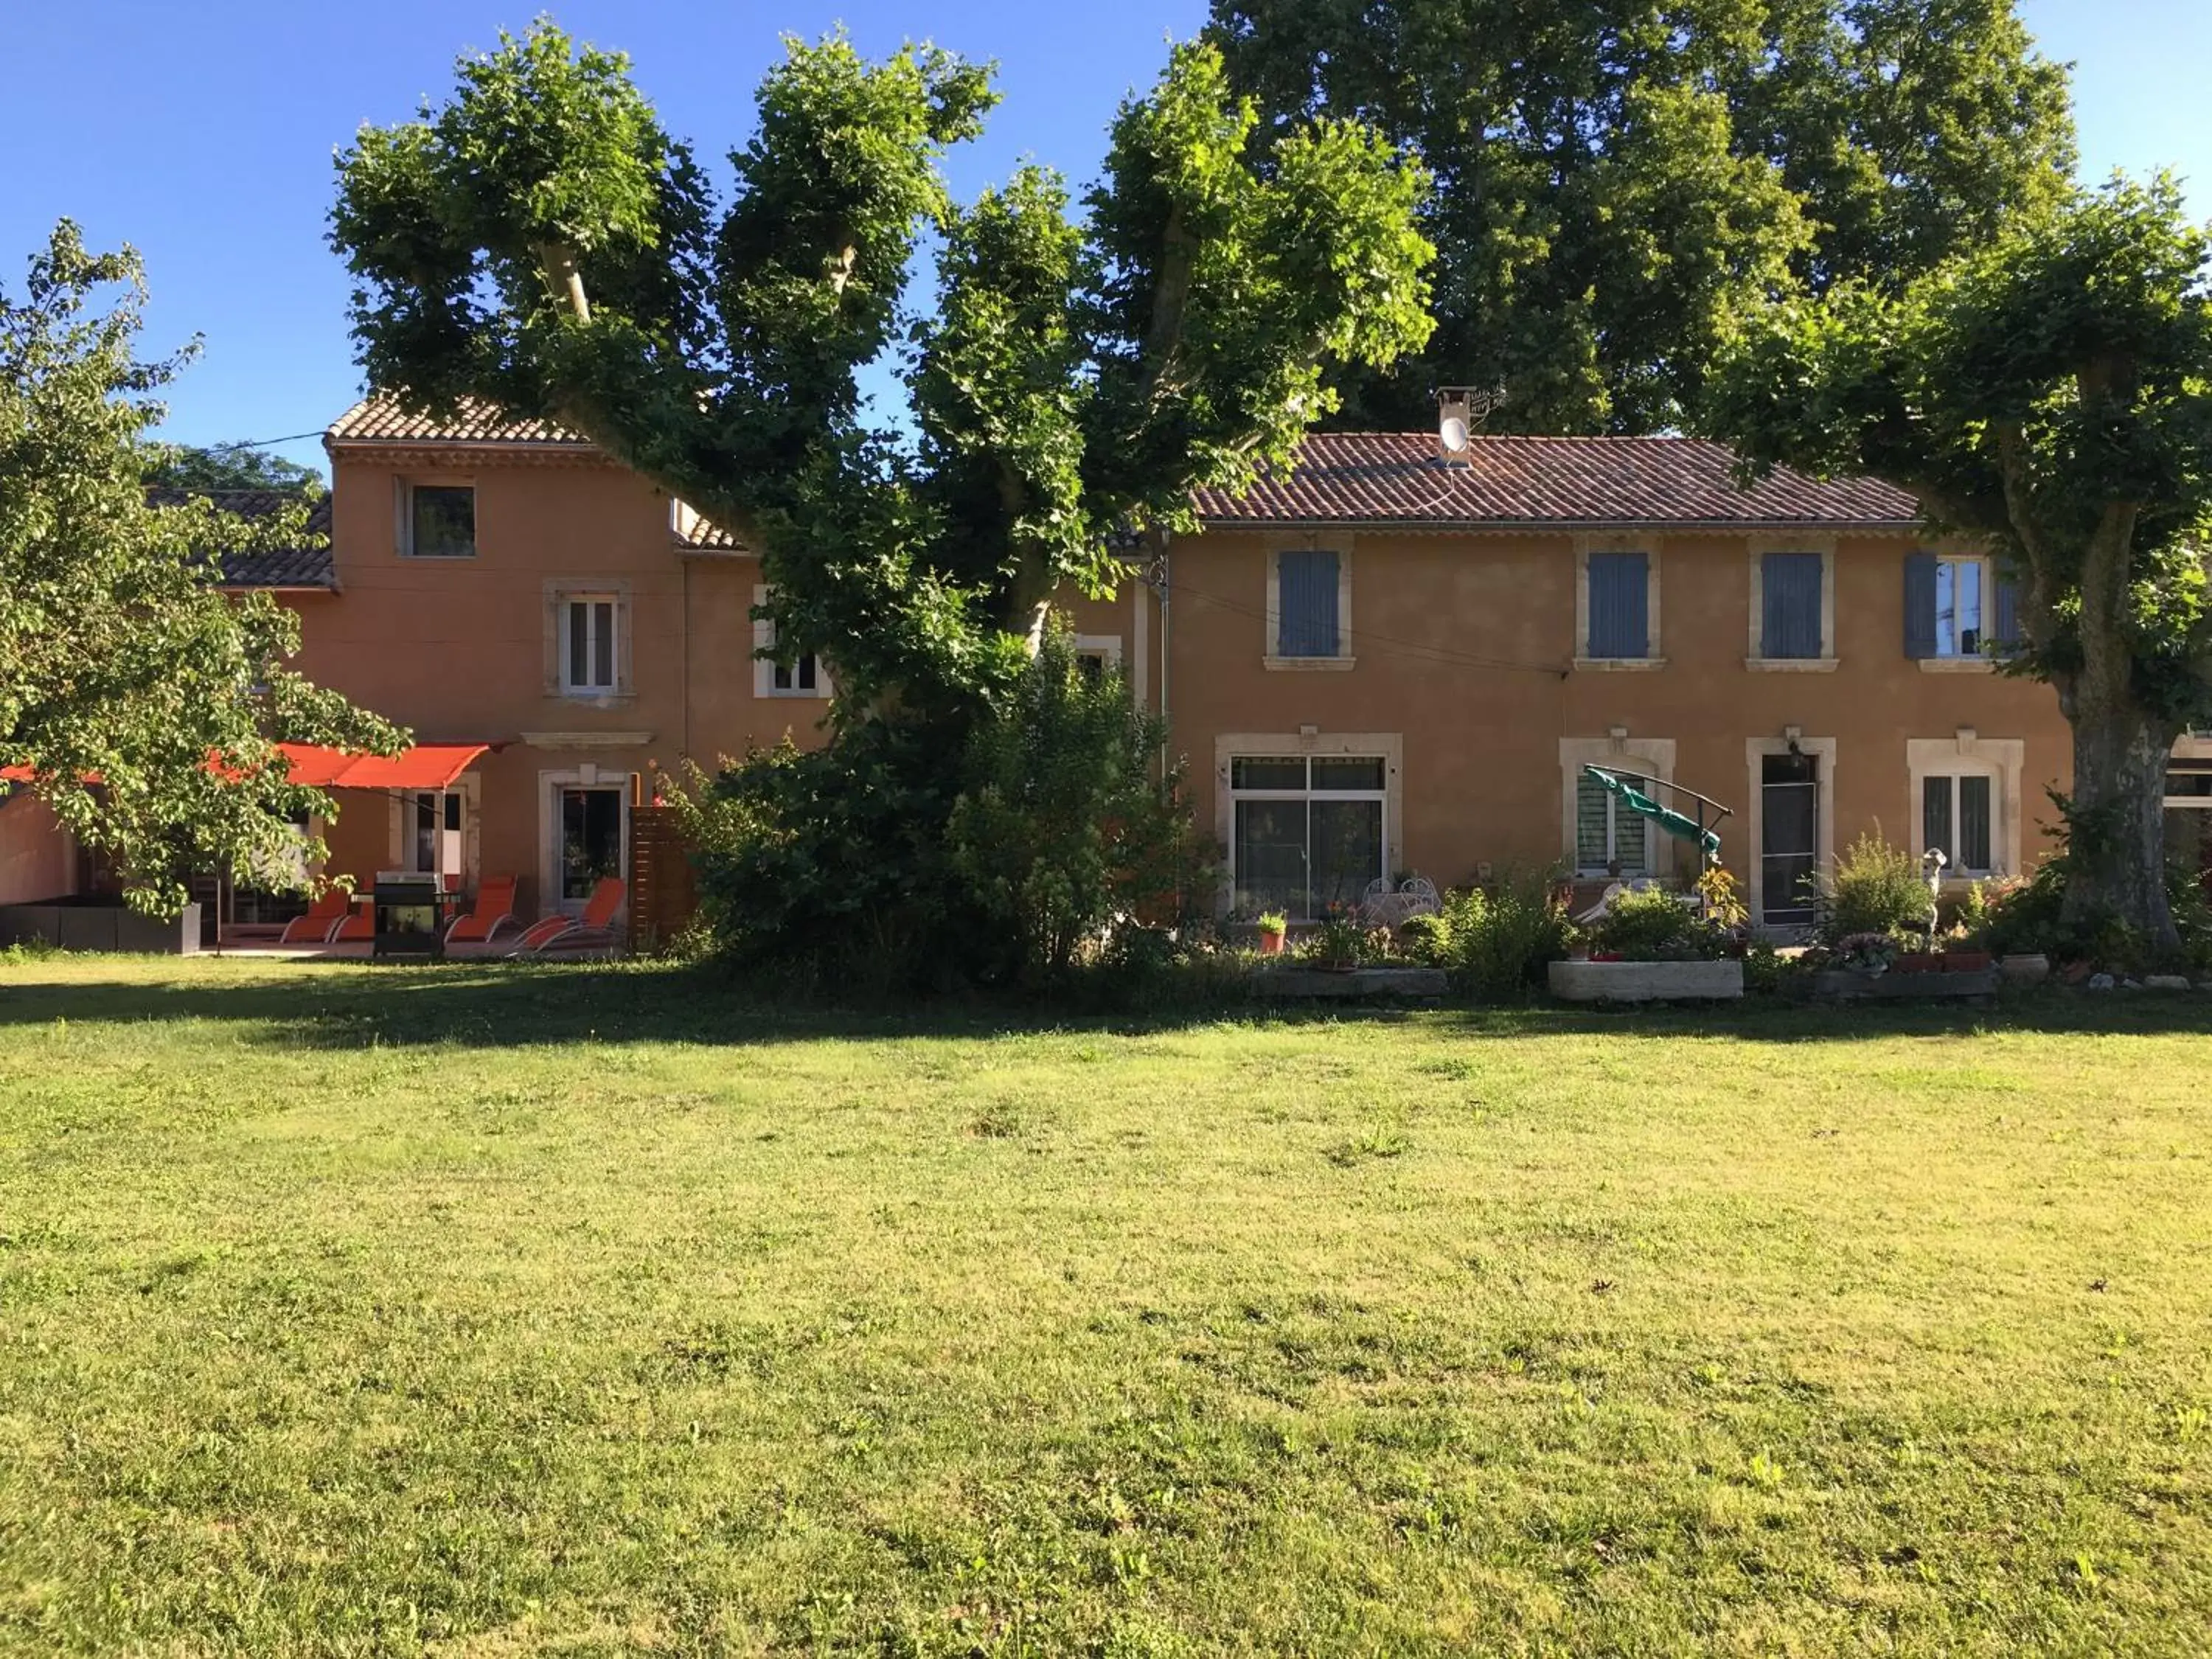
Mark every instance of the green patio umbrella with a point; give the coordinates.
(1678, 824)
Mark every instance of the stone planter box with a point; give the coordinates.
(1419, 983)
(1846, 987)
(1646, 981)
(100, 928)
(2029, 969)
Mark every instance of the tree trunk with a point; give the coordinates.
(2115, 854)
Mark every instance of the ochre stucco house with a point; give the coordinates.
(1390, 662)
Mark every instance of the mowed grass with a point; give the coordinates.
(490, 1313)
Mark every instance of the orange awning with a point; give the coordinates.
(425, 766)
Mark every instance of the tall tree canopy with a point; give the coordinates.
(142, 701)
(2051, 395)
(539, 240)
(229, 466)
(1614, 175)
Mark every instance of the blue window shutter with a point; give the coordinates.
(1306, 602)
(1619, 605)
(1791, 624)
(1919, 604)
(2004, 613)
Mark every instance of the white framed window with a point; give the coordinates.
(1961, 587)
(1958, 814)
(1609, 839)
(1599, 837)
(1096, 655)
(591, 644)
(437, 519)
(433, 831)
(1306, 831)
(1966, 800)
(1309, 609)
(802, 676)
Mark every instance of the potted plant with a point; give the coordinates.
(1339, 943)
(1275, 926)
(1870, 954)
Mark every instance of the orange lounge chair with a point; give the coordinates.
(494, 911)
(313, 928)
(359, 922)
(595, 927)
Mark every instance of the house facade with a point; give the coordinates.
(1394, 660)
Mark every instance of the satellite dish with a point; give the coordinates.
(1453, 434)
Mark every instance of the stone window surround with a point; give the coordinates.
(1649, 546)
(1654, 757)
(2004, 759)
(1107, 647)
(1756, 750)
(1308, 741)
(398, 850)
(1307, 544)
(1825, 663)
(403, 514)
(558, 591)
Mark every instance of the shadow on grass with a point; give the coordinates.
(329, 1006)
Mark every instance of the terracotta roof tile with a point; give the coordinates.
(378, 418)
(287, 566)
(1396, 478)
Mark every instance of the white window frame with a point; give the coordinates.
(1826, 662)
(1230, 746)
(766, 670)
(616, 653)
(400, 850)
(404, 517)
(1652, 757)
(551, 782)
(1344, 658)
(559, 593)
(1653, 657)
(1953, 661)
(2003, 760)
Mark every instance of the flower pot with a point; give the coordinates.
(1966, 962)
(2029, 968)
(1271, 945)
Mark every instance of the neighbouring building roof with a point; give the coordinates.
(280, 568)
(1397, 478)
(378, 418)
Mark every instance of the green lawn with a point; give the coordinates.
(492, 1313)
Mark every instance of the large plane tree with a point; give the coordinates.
(2049, 395)
(539, 240)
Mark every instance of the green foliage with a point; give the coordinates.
(825, 867)
(146, 702)
(1062, 826)
(1877, 889)
(2049, 395)
(1653, 924)
(1496, 941)
(1723, 899)
(540, 241)
(1615, 176)
(186, 467)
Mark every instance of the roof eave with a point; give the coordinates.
(1565, 526)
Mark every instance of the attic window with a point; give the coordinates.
(440, 522)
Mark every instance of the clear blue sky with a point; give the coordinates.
(208, 142)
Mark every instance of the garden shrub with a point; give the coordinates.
(1653, 924)
(1876, 889)
(894, 866)
(1497, 942)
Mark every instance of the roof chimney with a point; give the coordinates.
(1460, 410)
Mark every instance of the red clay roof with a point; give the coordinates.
(1396, 478)
(378, 418)
(281, 567)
